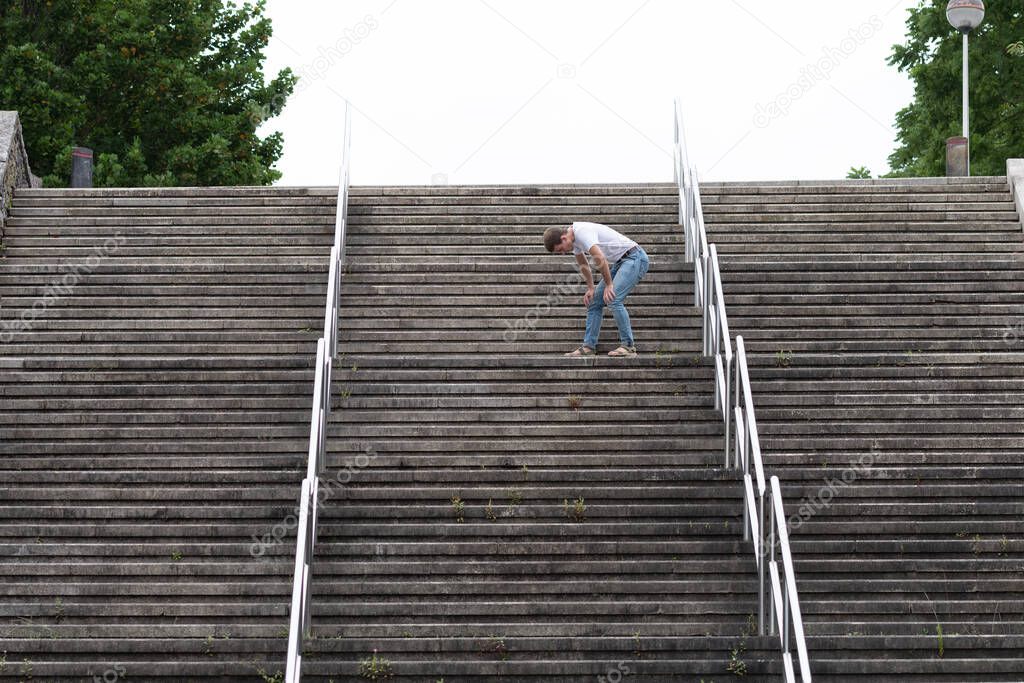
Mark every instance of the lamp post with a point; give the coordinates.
(965, 16)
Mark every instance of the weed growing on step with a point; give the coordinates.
(277, 677)
(58, 610)
(375, 668)
(575, 402)
(210, 641)
(495, 647)
(176, 555)
(577, 512)
(26, 668)
(458, 509)
(489, 511)
(664, 357)
(737, 666)
(515, 497)
(942, 645)
(783, 359)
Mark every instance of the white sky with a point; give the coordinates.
(550, 91)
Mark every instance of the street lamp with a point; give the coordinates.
(965, 16)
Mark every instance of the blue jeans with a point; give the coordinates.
(625, 276)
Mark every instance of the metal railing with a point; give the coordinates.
(781, 614)
(707, 278)
(784, 615)
(326, 353)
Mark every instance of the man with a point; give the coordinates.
(622, 264)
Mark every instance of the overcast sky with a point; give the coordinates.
(513, 91)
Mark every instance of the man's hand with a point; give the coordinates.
(609, 294)
(588, 297)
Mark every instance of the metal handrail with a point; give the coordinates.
(326, 353)
(707, 278)
(779, 588)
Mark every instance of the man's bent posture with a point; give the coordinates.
(622, 264)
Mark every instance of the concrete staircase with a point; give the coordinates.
(155, 419)
(459, 552)
(883, 323)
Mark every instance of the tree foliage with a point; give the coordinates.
(167, 92)
(932, 56)
(858, 173)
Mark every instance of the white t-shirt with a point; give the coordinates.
(613, 244)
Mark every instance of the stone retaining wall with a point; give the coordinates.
(1015, 174)
(14, 167)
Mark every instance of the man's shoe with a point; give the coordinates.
(581, 352)
(623, 352)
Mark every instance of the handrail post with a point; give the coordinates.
(296, 617)
(765, 539)
(771, 535)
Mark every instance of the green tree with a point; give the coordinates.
(932, 58)
(859, 173)
(167, 92)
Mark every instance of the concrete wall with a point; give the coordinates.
(1015, 172)
(14, 168)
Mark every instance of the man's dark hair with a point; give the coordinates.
(552, 236)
